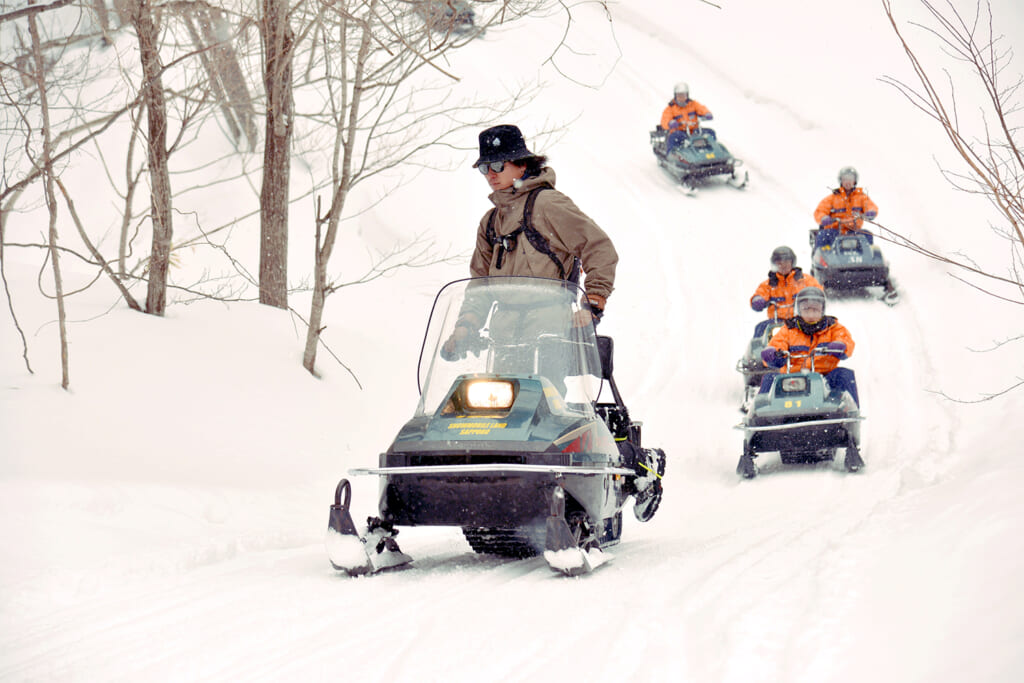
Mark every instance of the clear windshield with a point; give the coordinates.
(510, 325)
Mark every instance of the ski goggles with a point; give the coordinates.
(496, 166)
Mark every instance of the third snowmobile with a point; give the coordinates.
(750, 363)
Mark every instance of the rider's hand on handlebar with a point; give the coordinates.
(773, 357)
(835, 347)
(455, 347)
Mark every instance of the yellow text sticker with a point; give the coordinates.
(476, 428)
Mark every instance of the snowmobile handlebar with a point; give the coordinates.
(779, 303)
(811, 353)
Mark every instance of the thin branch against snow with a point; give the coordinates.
(998, 344)
(984, 396)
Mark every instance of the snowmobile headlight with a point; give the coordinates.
(794, 384)
(490, 394)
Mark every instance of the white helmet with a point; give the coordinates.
(808, 294)
(682, 88)
(848, 171)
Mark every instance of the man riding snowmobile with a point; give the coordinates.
(776, 293)
(844, 209)
(682, 114)
(808, 329)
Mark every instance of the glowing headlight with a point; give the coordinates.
(794, 384)
(489, 393)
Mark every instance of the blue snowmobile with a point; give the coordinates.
(509, 440)
(850, 264)
(696, 157)
(803, 419)
(750, 364)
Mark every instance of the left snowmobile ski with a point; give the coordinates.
(356, 553)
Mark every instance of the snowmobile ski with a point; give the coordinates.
(565, 552)
(354, 553)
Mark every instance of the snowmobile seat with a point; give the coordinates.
(615, 414)
(605, 348)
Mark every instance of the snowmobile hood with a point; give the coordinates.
(538, 421)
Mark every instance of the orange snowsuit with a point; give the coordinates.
(686, 115)
(795, 340)
(783, 287)
(846, 208)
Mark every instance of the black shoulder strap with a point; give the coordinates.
(537, 240)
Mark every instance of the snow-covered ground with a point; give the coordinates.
(164, 519)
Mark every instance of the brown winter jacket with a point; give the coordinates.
(569, 233)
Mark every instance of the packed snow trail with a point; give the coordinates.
(200, 555)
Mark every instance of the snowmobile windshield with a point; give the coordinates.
(519, 326)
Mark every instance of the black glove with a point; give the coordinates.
(462, 342)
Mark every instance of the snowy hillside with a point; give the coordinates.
(164, 518)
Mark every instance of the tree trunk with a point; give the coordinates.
(159, 176)
(316, 312)
(51, 200)
(216, 28)
(278, 40)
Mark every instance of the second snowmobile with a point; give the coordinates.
(850, 264)
(509, 440)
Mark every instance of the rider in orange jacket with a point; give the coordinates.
(681, 115)
(776, 293)
(808, 329)
(844, 208)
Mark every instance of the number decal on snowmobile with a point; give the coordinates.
(709, 155)
(791, 404)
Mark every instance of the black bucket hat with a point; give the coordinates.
(502, 143)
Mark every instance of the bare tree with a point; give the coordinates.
(369, 51)
(991, 151)
(278, 54)
(147, 32)
(51, 200)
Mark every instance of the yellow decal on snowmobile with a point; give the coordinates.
(709, 155)
(476, 428)
(789, 404)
